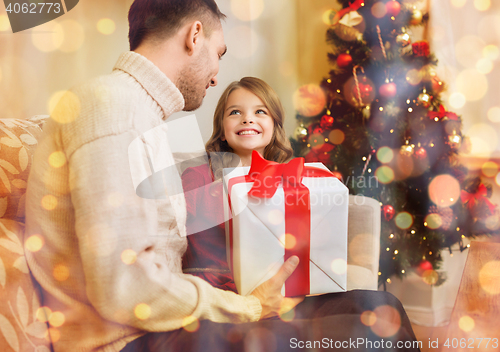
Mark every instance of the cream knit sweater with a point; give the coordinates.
(111, 260)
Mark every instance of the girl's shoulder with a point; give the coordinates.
(197, 175)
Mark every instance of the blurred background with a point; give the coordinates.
(280, 41)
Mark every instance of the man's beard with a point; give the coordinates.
(189, 85)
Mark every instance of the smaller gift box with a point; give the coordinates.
(275, 211)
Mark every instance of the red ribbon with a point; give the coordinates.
(442, 114)
(352, 7)
(267, 176)
(473, 198)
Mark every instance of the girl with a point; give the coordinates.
(249, 116)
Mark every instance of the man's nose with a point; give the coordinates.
(213, 81)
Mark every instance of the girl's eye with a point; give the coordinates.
(260, 112)
(234, 112)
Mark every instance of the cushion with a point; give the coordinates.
(22, 322)
(18, 141)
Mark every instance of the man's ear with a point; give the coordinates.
(194, 36)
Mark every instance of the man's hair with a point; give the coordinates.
(161, 19)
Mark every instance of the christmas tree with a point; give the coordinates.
(377, 121)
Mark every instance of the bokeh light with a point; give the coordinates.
(49, 202)
(328, 16)
(434, 221)
(385, 155)
(286, 314)
(339, 266)
(106, 26)
(482, 5)
(444, 190)
(379, 10)
(384, 174)
(309, 100)
(466, 323)
(492, 222)
(74, 36)
(494, 114)
(336, 136)
(129, 256)
(57, 319)
(457, 100)
(469, 49)
(404, 220)
(43, 314)
(489, 277)
(190, 323)
(484, 139)
(489, 169)
(458, 3)
(491, 52)
(414, 77)
(275, 217)
(48, 37)
(484, 66)
(472, 84)
(142, 311)
(243, 42)
(368, 318)
(64, 106)
(60, 272)
(57, 159)
(53, 335)
(4, 23)
(388, 321)
(34, 243)
(288, 241)
(247, 10)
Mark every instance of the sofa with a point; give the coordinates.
(25, 325)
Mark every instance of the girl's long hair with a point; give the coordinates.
(221, 155)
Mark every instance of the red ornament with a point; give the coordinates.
(315, 128)
(321, 154)
(388, 211)
(437, 85)
(442, 114)
(424, 266)
(344, 60)
(421, 48)
(420, 153)
(388, 90)
(393, 8)
(326, 121)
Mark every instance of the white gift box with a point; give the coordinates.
(258, 233)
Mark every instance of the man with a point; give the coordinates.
(111, 260)
(111, 263)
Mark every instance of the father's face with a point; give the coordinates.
(196, 78)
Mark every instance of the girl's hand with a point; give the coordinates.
(269, 293)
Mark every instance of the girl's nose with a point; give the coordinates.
(247, 119)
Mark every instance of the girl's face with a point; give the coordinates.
(247, 123)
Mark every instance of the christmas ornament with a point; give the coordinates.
(356, 5)
(321, 154)
(366, 112)
(424, 99)
(420, 153)
(421, 49)
(437, 84)
(360, 94)
(309, 100)
(454, 141)
(393, 8)
(416, 17)
(388, 211)
(442, 114)
(326, 122)
(388, 89)
(344, 60)
(425, 265)
(403, 39)
(480, 196)
(406, 149)
(300, 133)
(315, 128)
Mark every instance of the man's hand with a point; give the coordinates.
(269, 293)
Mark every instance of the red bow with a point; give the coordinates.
(442, 114)
(352, 7)
(473, 198)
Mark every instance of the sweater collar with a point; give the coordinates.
(154, 81)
